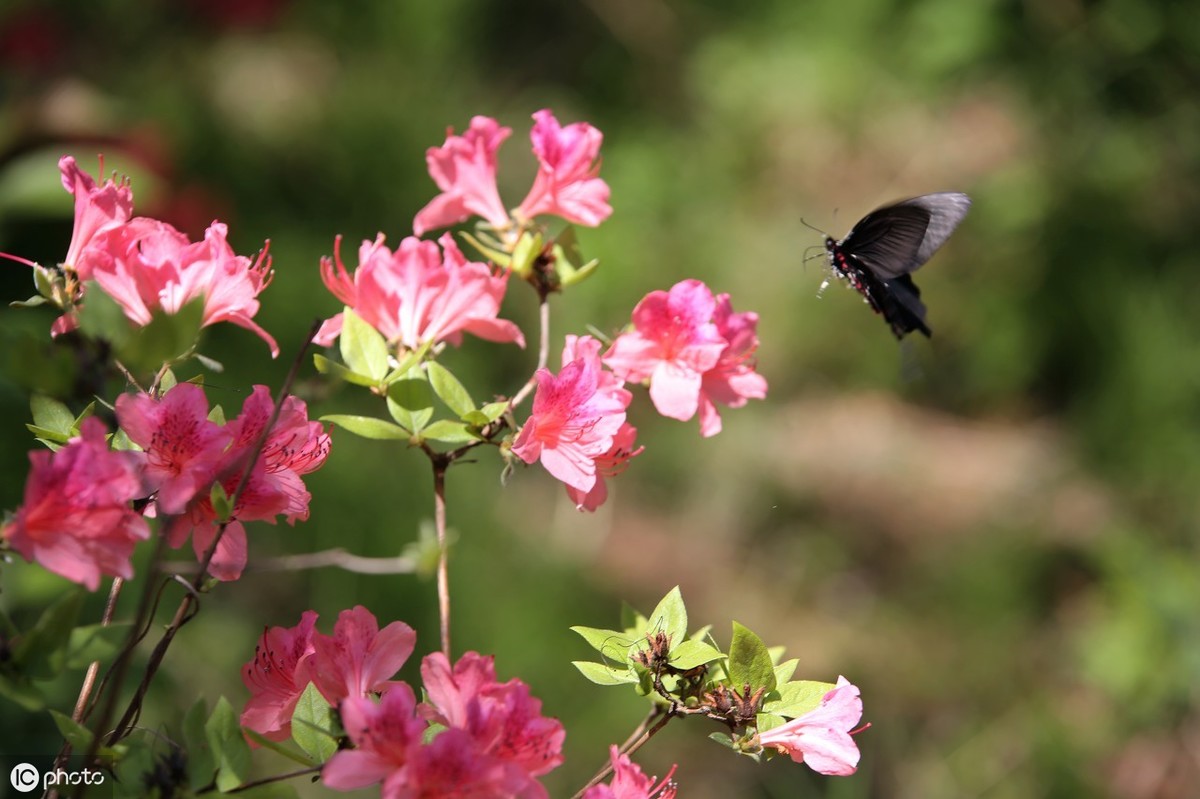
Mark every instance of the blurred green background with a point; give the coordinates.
(1000, 550)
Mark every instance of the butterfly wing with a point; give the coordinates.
(891, 245)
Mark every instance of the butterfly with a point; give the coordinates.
(883, 248)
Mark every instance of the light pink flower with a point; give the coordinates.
(149, 267)
(76, 519)
(271, 677)
(502, 718)
(575, 416)
(294, 447)
(464, 168)
(359, 658)
(97, 209)
(733, 380)
(183, 448)
(629, 782)
(608, 465)
(673, 343)
(821, 737)
(385, 735)
(419, 294)
(566, 184)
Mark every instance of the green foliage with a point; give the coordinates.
(230, 752)
(313, 726)
(749, 660)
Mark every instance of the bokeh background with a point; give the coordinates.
(992, 533)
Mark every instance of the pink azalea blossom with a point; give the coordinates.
(419, 294)
(503, 719)
(821, 737)
(359, 658)
(97, 209)
(608, 465)
(452, 766)
(149, 267)
(629, 782)
(566, 184)
(272, 679)
(464, 168)
(273, 488)
(673, 343)
(183, 448)
(385, 735)
(733, 380)
(575, 416)
(76, 519)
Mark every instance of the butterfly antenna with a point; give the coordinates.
(811, 227)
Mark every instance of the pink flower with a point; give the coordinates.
(575, 417)
(358, 658)
(149, 267)
(733, 380)
(191, 454)
(385, 735)
(673, 343)
(97, 209)
(451, 766)
(608, 465)
(821, 737)
(271, 677)
(419, 294)
(501, 718)
(183, 448)
(566, 184)
(76, 519)
(464, 168)
(629, 782)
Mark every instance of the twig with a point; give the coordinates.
(636, 745)
(543, 352)
(440, 464)
(401, 564)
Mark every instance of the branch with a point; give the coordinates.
(338, 557)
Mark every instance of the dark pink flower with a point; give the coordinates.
(271, 677)
(503, 719)
(385, 735)
(76, 519)
(566, 184)
(733, 380)
(183, 448)
(821, 737)
(419, 294)
(359, 658)
(97, 209)
(629, 782)
(464, 168)
(673, 343)
(451, 766)
(575, 416)
(149, 267)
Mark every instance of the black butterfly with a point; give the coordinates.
(880, 251)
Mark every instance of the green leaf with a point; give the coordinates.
(722, 738)
(210, 364)
(368, 427)
(132, 769)
(364, 348)
(286, 751)
(410, 402)
(485, 415)
(448, 389)
(120, 441)
(690, 654)
(609, 643)
(602, 674)
(631, 620)
(432, 731)
(167, 382)
(749, 661)
(230, 750)
(101, 317)
(785, 670)
(32, 302)
(568, 262)
(167, 337)
(449, 432)
(220, 502)
(48, 436)
(312, 725)
(201, 763)
(95, 642)
(272, 790)
(776, 653)
(77, 735)
(41, 654)
(797, 698)
(335, 369)
(19, 689)
(768, 721)
(670, 617)
(217, 415)
(411, 359)
(51, 415)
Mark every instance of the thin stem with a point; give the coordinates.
(543, 352)
(443, 571)
(337, 556)
(277, 778)
(636, 745)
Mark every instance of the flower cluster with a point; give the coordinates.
(489, 738)
(149, 267)
(629, 782)
(187, 454)
(464, 168)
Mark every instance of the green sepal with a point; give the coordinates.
(368, 427)
(498, 257)
(568, 262)
(363, 348)
(749, 661)
(45, 281)
(313, 725)
(230, 751)
(602, 674)
(449, 389)
(526, 251)
(335, 369)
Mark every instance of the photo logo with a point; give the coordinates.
(25, 778)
